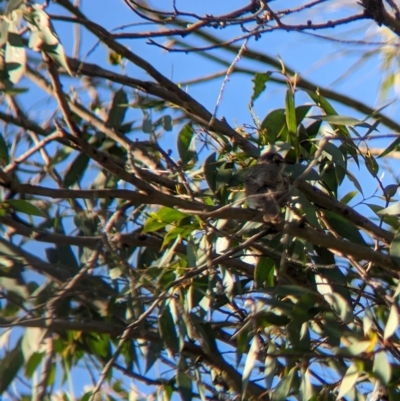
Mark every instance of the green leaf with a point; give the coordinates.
(11, 362)
(15, 55)
(210, 170)
(224, 174)
(393, 146)
(295, 170)
(341, 120)
(327, 107)
(76, 170)
(335, 155)
(118, 109)
(270, 366)
(344, 228)
(392, 323)
(394, 250)
(301, 112)
(56, 53)
(31, 341)
(185, 144)
(264, 272)
(274, 123)
(166, 122)
(337, 296)
(282, 390)
(371, 164)
(169, 215)
(166, 327)
(33, 363)
(3, 32)
(392, 210)
(349, 381)
(44, 37)
(24, 206)
(390, 190)
(306, 387)
(147, 125)
(348, 197)
(291, 120)
(249, 364)
(183, 381)
(259, 80)
(153, 224)
(382, 368)
(116, 272)
(4, 157)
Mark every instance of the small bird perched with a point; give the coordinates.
(266, 185)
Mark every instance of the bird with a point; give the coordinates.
(266, 186)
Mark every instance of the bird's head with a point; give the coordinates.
(271, 158)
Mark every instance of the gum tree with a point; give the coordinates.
(128, 251)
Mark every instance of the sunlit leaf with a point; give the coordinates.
(26, 207)
(382, 368)
(341, 120)
(291, 120)
(250, 362)
(348, 381)
(259, 80)
(392, 323)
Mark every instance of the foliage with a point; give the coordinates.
(155, 278)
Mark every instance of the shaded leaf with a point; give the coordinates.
(274, 123)
(11, 363)
(4, 158)
(166, 327)
(282, 390)
(344, 228)
(394, 250)
(264, 272)
(118, 109)
(210, 169)
(185, 144)
(76, 170)
(183, 381)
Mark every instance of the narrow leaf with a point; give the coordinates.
(382, 368)
(341, 120)
(394, 249)
(348, 381)
(118, 109)
(260, 79)
(290, 113)
(185, 148)
(249, 365)
(24, 206)
(392, 323)
(76, 170)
